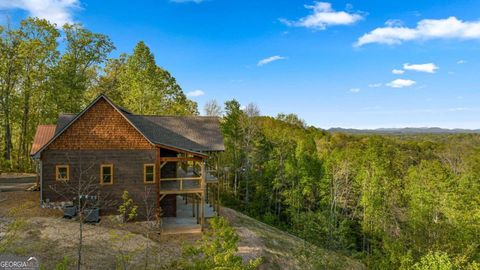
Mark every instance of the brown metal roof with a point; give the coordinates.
(42, 136)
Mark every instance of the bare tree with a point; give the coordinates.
(152, 221)
(83, 190)
(213, 109)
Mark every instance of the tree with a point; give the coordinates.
(83, 190)
(232, 130)
(212, 108)
(216, 250)
(77, 68)
(38, 54)
(10, 69)
(136, 82)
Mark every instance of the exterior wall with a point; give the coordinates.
(101, 127)
(128, 166)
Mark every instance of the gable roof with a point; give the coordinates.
(195, 134)
(43, 134)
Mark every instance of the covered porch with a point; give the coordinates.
(187, 190)
(187, 218)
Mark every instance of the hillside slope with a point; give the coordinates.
(281, 250)
(49, 237)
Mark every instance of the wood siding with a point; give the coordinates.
(128, 166)
(101, 127)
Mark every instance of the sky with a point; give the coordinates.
(351, 64)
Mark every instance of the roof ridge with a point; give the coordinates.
(178, 116)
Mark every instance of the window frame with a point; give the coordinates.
(101, 174)
(57, 172)
(145, 173)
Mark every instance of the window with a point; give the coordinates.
(149, 173)
(106, 174)
(62, 172)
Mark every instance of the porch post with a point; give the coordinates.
(203, 195)
(193, 205)
(157, 174)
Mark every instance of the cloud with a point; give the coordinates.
(355, 90)
(449, 28)
(187, 1)
(398, 71)
(269, 60)
(461, 61)
(374, 85)
(323, 15)
(55, 11)
(195, 93)
(400, 83)
(428, 67)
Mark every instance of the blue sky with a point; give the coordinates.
(332, 63)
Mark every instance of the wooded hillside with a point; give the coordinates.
(396, 202)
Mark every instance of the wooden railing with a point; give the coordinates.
(180, 180)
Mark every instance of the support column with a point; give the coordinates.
(203, 195)
(157, 175)
(193, 205)
(197, 204)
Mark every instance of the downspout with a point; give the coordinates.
(40, 164)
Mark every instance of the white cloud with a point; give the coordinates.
(55, 11)
(398, 71)
(269, 60)
(428, 67)
(461, 61)
(187, 1)
(400, 83)
(394, 23)
(195, 93)
(355, 90)
(374, 85)
(323, 15)
(449, 28)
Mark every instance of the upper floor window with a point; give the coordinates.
(62, 172)
(106, 174)
(149, 173)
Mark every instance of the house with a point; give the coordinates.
(163, 160)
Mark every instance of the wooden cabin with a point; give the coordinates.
(165, 160)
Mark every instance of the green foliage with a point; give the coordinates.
(216, 250)
(434, 261)
(388, 200)
(128, 209)
(64, 264)
(45, 72)
(137, 83)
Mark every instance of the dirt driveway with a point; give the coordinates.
(16, 182)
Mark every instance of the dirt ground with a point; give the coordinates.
(49, 237)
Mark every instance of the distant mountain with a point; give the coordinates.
(399, 131)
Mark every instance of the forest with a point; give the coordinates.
(393, 202)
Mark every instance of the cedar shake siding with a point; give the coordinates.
(128, 166)
(100, 127)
